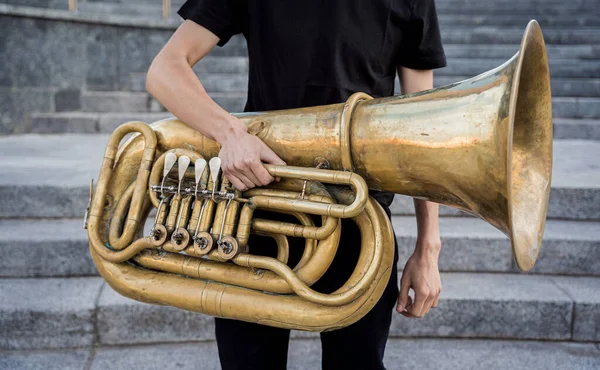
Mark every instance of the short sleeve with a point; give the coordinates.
(224, 18)
(421, 42)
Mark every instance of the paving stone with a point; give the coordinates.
(44, 248)
(44, 360)
(446, 354)
(122, 320)
(442, 354)
(586, 294)
(492, 305)
(47, 313)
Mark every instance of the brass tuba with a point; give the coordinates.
(483, 145)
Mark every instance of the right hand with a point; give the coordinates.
(242, 156)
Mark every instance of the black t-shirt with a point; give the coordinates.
(316, 52)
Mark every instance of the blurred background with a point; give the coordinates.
(69, 77)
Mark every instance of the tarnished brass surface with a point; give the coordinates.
(483, 145)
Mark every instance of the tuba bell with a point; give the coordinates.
(483, 145)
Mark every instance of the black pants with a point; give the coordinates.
(359, 346)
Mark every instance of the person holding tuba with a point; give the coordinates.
(307, 53)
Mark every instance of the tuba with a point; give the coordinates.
(483, 145)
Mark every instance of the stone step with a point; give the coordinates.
(115, 101)
(231, 82)
(457, 66)
(212, 82)
(561, 87)
(472, 245)
(444, 7)
(570, 107)
(575, 118)
(503, 52)
(32, 186)
(132, 9)
(531, 8)
(88, 122)
(503, 35)
(447, 20)
(305, 354)
(48, 313)
(59, 313)
(106, 122)
(59, 248)
(559, 68)
(585, 129)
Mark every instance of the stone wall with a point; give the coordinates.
(48, 57)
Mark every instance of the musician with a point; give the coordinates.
(307, 53)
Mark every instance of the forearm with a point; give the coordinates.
(174, 84)
(428, 230)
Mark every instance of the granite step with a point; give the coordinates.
(443, 7)
(457, 66)
(106, 122)
(528, 7)
(116, 101)
(503, 52)
(513, 35)
(559, 68)
(305, 354)
(33, 186)
(60, 313)
(212, 82)
(575, 86)
(448, 20)
(90, 122)
(561, 87)
(583, 129)
(59, 247)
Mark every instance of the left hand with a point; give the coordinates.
(422, 274)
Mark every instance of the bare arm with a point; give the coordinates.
(421, 272)
(174, 84)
